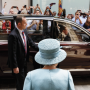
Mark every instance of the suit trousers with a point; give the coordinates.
(20, 77)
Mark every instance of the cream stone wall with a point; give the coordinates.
(18, 3)
(0, 5)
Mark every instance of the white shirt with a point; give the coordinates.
(83, 20)
(49, 24)
(34, 26)
(3, 10)
(77, 21)
(20, 32)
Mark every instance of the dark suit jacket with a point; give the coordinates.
(16, 50)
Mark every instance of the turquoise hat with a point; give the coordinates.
(49, 52)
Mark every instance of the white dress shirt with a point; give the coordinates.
(20, 32)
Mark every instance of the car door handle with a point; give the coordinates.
(66, 47)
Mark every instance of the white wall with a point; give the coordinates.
(18, 3)
(44, 3)
(72, 6)
(0, 5)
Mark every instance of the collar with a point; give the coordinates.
(20, 31)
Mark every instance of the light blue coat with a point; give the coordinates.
(45, 79)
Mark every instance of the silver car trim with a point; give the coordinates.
(72, 23)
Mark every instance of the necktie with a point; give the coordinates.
(24, 42)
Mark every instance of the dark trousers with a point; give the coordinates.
(20, 77)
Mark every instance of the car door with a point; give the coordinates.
(77, 48)
(5, 21)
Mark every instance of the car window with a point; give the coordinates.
(67, 32)
(81, 35)
(38, 29)
(5, 29)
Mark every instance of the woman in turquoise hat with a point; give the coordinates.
(49, 77)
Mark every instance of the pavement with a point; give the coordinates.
(81, 83)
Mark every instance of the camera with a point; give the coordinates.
(14, 6)
(83, 14)
(37, 5)
(52, 4)
(24, 6)
(7, 24)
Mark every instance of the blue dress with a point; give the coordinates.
(45, 79)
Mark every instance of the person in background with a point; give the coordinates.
(6, 25)
(48, 11)
(69, 16)
(40, 25)
(64, 32)
(83, 18)
(49, 77)
(87, 24)
(37, 10)
(28, 9)
(63, 15)
(23, 12)
(77, 18)
(19, 44)
(72, 16)
(88, 14)
(3, 10)
(54, 13)
(79, 12)
(1, 24)
(20, 11)
(11, 10)
(32, 24)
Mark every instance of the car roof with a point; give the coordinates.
(44, 17)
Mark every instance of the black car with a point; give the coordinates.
(77, 45)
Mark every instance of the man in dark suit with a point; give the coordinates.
(18, 50)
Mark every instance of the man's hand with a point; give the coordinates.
(5, 4)
(76, 17)
(88, 29)
(17, 8)
(34, 22)
(12, 7)
(38, 7)
(16, 70)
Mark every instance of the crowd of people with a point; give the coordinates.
(4, 25)
(36, 10)
(79, 17)
(49, 53)
(31, 24)
(83, 19)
